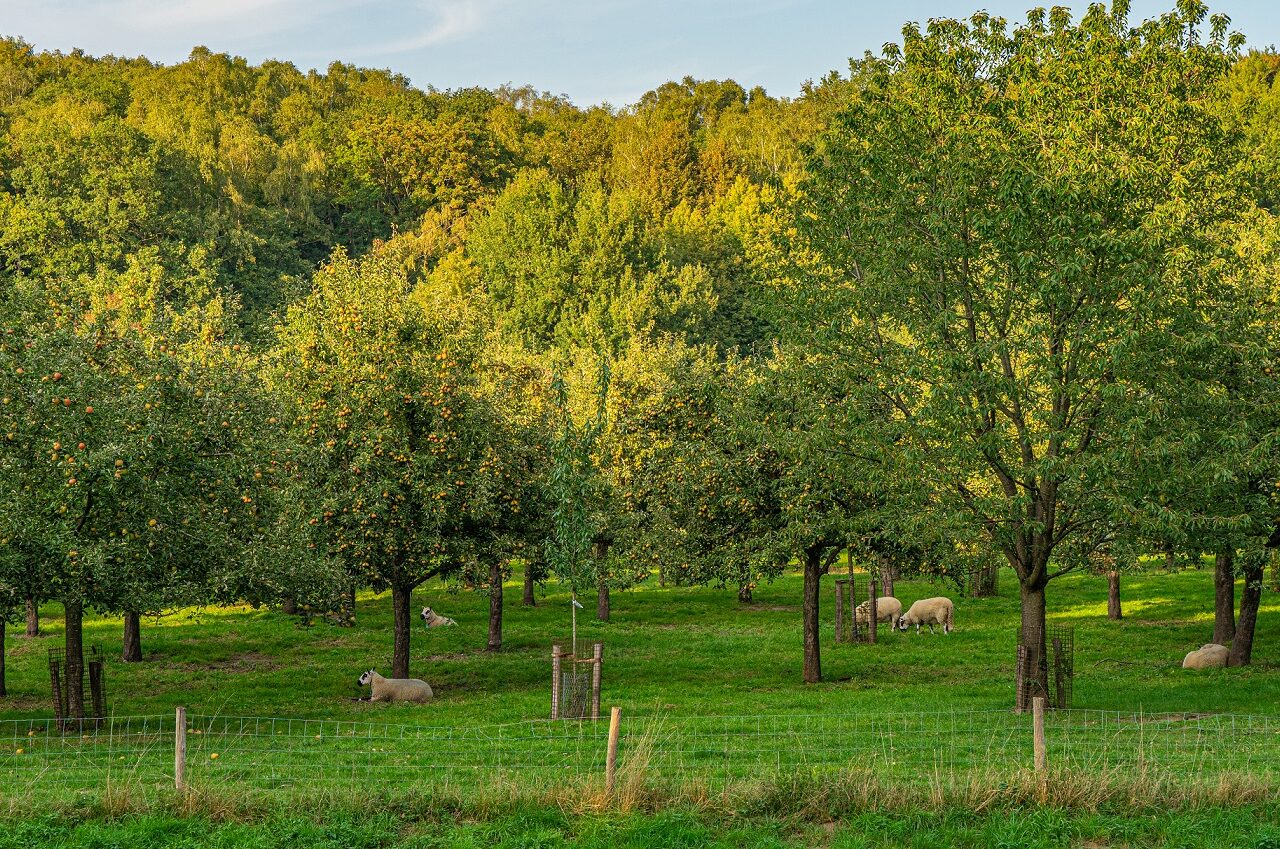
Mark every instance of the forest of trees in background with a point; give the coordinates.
(1002, 294)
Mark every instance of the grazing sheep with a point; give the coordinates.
(888, 609)
(396, 689)
(1208, 656)
(434, 620)
(929, 611)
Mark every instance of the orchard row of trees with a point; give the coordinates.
(999, 293)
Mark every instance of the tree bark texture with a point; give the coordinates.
(528, 600)
(812, 584)
(1250, 597)
(348, 612)
(1224, 597)
(401, 599)
(495, 606)
(74, 680)
(744, 593)
(1113, 595)
(1034, 671)
(132, 651)
(33, 618)
(289, 606)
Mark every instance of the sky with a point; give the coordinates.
(594, 51)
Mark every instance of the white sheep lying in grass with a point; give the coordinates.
(1208, 656)
(396, 689)
(434, 620)
(888, 609)
(929, 611)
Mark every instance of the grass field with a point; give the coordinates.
(684, 651)
(710, 691)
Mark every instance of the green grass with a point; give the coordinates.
(672, 829)
(684, 651)
(913, 723)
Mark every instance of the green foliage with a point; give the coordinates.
(1016, 229)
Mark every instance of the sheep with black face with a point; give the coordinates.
(396, 689)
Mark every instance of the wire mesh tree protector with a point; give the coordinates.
(93, 688)
(847, 598)
(259, 754)
(1059, 659)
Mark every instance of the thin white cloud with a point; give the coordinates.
(449, 21)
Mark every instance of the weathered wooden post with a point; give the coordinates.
(597, 665)
(611, 754)
(839, 584)
(871, 632)
(556, 652)
(1059, 674)
(180, 750)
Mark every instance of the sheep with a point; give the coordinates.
(888, 609)
(396, 689)
(929, 611)
(434, 620)
(1208, 656)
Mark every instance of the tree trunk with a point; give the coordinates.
(529, 600)
(1242, 643)
(602, 601)
(289, 606)
(401, 599)
(812, 584)
(495, 606)
(1113, 595)
(600, 551)
(348, 612)
(1033, 671)
(132, 652)
(1224, 597)
(886, 576)
(74, 681)
(3, 691)
(744, 593)
(33, 618)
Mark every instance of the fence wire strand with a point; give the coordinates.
(262, 753)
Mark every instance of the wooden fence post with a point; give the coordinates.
(1041, 755)
(180, 750)
(597, 656)
(871, 633)
(839, 585)
(611, 754)
(555, 681)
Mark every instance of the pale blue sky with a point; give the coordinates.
(591, 50)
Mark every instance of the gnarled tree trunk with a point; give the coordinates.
(1224, 597)
(289, 606)
(132, 651)
(401, 599)
(1250, 598)
(495, 606)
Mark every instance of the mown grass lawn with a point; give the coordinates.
(682, 651)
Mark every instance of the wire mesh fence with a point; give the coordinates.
(262, 754)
